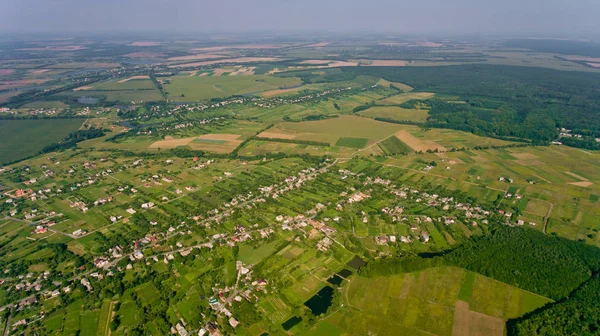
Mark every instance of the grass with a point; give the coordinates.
(253, 256)
(197, 88)
(23, 138)
(352, 142)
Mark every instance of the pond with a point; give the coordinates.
(335, 280)
(289, 324)
(356, 263)
(345, 273)
(320, 302)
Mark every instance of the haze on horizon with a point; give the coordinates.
(439, 17)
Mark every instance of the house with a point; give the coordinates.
(424, 237)
(233, 322)
(381, 240)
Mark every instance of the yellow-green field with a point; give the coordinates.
(195, 88)
(438, 301)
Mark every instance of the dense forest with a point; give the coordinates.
(564, 270)
(577, 315)
(508, 101)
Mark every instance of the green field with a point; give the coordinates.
(195, 88)
(394, 146)
(23, 138)
(352, 142)
(438, 301)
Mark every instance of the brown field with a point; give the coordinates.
(339, 64)
(196, 57)
(219, 72)
(582, 58)
(581, 178)
(4, 72)
(320, 44)
(39, 71)
(171, 143)
(144, 44)
(224, 136)
(584, 184)
(144, 54)
(316, 62)
(429, 44)
(276, 135)
(243, 71)
(132, 78)
(82, 88)
(467, 322)
(203, 74)
(242, 46)
(273, 93)
(230, 60)
(418, 144)
(231, 144)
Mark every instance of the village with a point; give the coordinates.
(323, 225)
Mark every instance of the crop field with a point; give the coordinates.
(124, 96)
(196, 88)
(438, 301)
(330, 130)
(394, 146)
(396, 113)
(23, 138)
(260, 147)
(125, 84)
(547, 184)
(352, 142)
(418, 144)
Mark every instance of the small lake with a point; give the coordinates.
(289, 324)
(356, 263)
(335, 280)
(320, 302)
(345, 273)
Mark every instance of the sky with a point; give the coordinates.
(438, 17)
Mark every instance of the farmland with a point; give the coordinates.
(439, 301)
(26, 137)
(280, 188)
(196, 88)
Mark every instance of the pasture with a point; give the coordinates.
(197, 88)
(23, 138)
